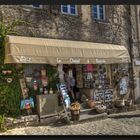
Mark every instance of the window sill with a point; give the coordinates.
(69, 14)
(29, 8)
(100, 21)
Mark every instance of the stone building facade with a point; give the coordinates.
(135, 29)
(49, 22)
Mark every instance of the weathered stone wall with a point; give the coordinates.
(135, 20)
(50, 24)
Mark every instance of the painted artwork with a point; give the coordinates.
(103, 95)
(27, 103)
(123, 85)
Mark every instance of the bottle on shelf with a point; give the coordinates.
(51, 91)
(45, 91)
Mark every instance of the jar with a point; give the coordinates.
(51, 91)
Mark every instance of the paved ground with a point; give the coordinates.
(109, 126)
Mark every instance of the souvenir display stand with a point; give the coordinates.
(55, 88)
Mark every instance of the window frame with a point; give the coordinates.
(69, 10)
(98, 13)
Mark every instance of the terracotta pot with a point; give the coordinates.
(91, 103)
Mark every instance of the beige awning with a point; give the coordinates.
(20, 49)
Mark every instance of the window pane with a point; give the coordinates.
(36, 5)
(95, 8)
(101, 16)
(72, 10)
(65, 8)
(95, 16)
(72, 6)
(101, 6)
(101, 12)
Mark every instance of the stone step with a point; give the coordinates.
(88, 117)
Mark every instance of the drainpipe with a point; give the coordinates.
(137, 26)
(131, 70)
(131, 58)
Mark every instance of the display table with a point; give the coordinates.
(47, 105)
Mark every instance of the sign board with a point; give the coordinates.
(103, 94)
(100, 61)
(69, 60)
(25, 59)
(137, 62)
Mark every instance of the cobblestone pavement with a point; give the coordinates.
(109, 126)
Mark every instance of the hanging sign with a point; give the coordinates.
(25, 59)
(70, 60)
(100, 61)
(75, 60)
(137, 62)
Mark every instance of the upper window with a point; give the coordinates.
(69, 9)
(98, 12)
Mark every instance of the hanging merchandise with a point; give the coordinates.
(44, 81)
(61, 73)
(79, 76)
(70, 73)
(89, 68)
(45, 90)
(9, 80)
(43, 71)
(123, 85)
(35, 85)
(89, 76)
(51, 91)
(27, 103)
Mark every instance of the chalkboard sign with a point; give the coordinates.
(103, 95)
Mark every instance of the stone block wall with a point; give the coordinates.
(49, 22)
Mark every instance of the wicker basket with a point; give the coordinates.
(75, 111)
(101, 108)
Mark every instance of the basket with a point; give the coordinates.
(75, 106)
(91, 103)
(101, 108)
(75, 111)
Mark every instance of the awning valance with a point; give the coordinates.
(20, 49)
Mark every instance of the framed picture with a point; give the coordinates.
(27, 103)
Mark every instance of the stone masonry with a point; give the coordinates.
(49, 22)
